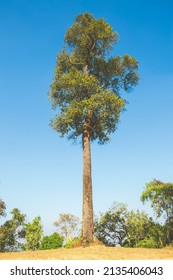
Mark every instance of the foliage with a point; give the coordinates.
(118, 226)
(142, 230)
(11, 232)
(161, 197)
(147, 243)
(73, 242)
(79, 241)
(67, 225)
(33, 234)
(2, 208)
(110, 226)
(53, 241)
(87, 83)
(68, 243)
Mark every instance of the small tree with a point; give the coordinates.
(67, 225)
(11, 232)
(86, 89)
(110, 226)
(33, 234)
(161, 197)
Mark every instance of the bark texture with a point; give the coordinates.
(87, 213)
(87, 221)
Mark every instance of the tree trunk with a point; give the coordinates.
(87, 220)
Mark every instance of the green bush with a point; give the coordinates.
(147, 243)
(53, 241)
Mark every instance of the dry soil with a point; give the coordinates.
(98, 252)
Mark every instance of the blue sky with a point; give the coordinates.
(41, 173)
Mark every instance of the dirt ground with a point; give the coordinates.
(98, 252)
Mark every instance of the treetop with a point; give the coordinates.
(88, 84)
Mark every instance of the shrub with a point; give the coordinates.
(78, 242)
(73, 242)
(147, 243)
(53, 241)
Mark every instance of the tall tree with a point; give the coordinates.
(87, 89)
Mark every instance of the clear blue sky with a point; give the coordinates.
(41, 173)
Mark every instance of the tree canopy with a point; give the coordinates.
(88, 82)
(161, 197)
